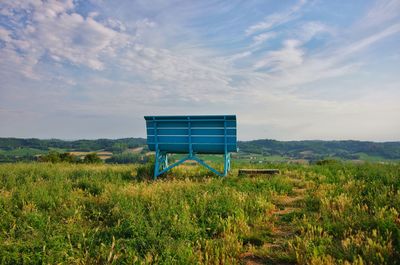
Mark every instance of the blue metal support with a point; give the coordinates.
(190, 137)
(163, 161)
(173, 165)
(226, 154)
(201, 162)
(156, 162)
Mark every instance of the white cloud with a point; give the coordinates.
(5, 35)
(237, 56)
(54, 29)
(115, 24)
(144, 24)
(276, 19)
(309, 30)
(382, 11)
(289, 56)
(294, 66)
(363, 43)
(190, 78)
(263, 37)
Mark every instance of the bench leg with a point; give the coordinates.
(227, 163)
(160, 164)
(163, 161)
(156, 164)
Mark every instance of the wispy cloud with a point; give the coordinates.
(276, 19)
(262, 38)
(381, 12)
(289, 56)
(363, 43)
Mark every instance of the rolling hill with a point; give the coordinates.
(18, 149)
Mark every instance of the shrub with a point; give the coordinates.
(92, 158)
(55, 157)
(146, 171)
(328, 161)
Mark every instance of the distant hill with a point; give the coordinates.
(315, 150)
(77, 145)
(17, 149)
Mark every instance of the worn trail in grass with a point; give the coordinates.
(287, 207)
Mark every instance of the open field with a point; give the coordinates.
(98, 214)
(102, 154)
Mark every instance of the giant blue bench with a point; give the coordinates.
(191, 135)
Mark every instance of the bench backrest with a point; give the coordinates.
(209, 134)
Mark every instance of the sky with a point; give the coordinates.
(289, 70)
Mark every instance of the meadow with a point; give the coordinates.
(333, 213)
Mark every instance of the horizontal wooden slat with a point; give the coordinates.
(194, 124)
(176, 131)
(197, 148)
(194, 132)
(197, 139)
(195, 117)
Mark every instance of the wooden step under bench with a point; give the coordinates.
(258, 171)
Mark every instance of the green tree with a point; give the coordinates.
(52, 156)
(68, 157)
(92, 158)
(119, 147)
(55, 157)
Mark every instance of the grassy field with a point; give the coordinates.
(22, 151)
(103, 214)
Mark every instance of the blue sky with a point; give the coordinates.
(290, 70)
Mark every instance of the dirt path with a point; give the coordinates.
(276, 251)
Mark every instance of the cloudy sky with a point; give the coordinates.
(289, 70)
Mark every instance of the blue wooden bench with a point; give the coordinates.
(191, 135)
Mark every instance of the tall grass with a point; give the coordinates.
(353, 215)
(84, 214)
(100, 214)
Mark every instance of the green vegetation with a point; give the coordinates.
(132, 150)
(23, 151)
(92, 158)
(352, 213)
(332, 213)
(55, 157)
(78, 145)
(127, 158)
(372, 158)
(317, 150)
